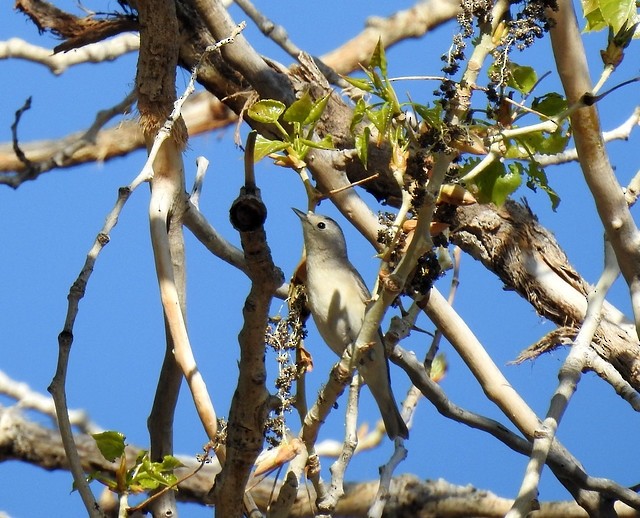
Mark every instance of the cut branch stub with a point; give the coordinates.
(247, 212)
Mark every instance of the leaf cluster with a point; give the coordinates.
(295, 124)
(144, 475)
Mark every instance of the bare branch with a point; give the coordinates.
(527, 258)
(201, 112)
(251, 401)
(410, 23)
(28, 398)
(67, 148)
(17, 48)
(241, 56)
(30, 442)
(75, 30)
(65, 340)
(569, 376)
(336, 489)
(568, 470)
(279, 35)
(612, 207)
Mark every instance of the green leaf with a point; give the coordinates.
(325, 143)
(151, 475)
(496, 182)
(299, 109)
(537, 142)
(378, 59)
(317, 110)
(362, 84)
(267, 111)
(521, 78)
(376, 80)
(362, 145)
(601, 14)
(264, 147)
(538, 178)
(554, 143)
(550, 104)
(169, 463)
(432, 116)
(617, 12)
(103, 478)
(358, 114)
(380, 118)
(110, 443)
(150, 480)
(595, 21)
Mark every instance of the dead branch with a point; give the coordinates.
(76, 31)
(29, 442)
(202, 113)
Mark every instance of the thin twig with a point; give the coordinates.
(336, 488)
(63, 155)
(279, 35)
(65, 340)
(14, 133)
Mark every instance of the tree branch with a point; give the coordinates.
(527, 258)
(109, 50)
(569, 376)
(202, 113)
(251, 402)
(607, 193)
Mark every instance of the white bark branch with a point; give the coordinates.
(109, 50)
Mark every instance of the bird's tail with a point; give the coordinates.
(380, 387)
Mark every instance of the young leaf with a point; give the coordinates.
(316, 110)
(358, 114)
(102, 478)
(496, 182)
(362, 145)
(380, 118)
(299, 109)
(169, 463)
(267, 111)
(362, 84)
(378, 59)
(431, 116)
(550, 104)
(537, 142)
(264, 147)
(538, 178)
(522, 78)
(147, 475)
(507, 183)
(608, 13)
(325, 143)
(110, 443)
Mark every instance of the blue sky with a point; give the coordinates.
(50, 224)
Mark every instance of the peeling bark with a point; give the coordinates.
(526, 257)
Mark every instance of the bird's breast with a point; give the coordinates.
(337, 310)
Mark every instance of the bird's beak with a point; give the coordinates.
(299, 213)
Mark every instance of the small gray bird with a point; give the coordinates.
(337, 297)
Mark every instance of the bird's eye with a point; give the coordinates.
(322, 225)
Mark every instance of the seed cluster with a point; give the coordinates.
(284, 336)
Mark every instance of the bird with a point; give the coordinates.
(337, 297)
